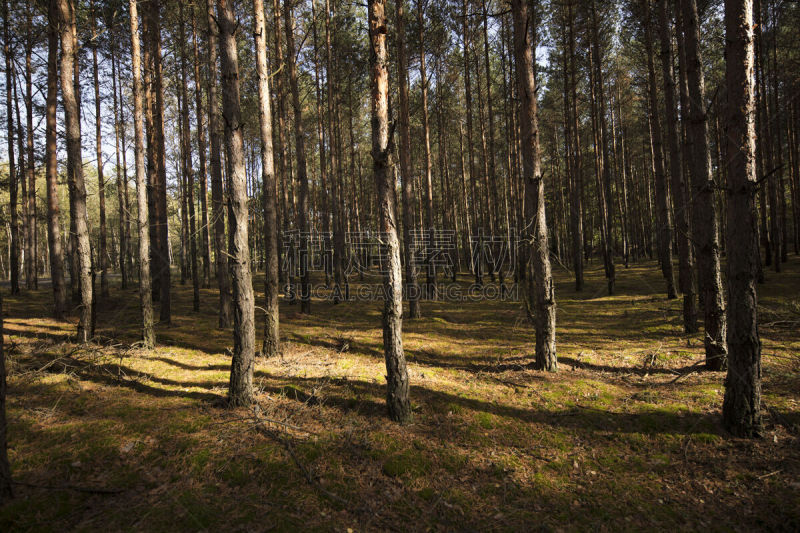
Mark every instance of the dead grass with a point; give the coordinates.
(612, 441)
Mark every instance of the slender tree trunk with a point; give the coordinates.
(741, 408)
(240, 389)
(31, 264)
(12, 170)
(475, 225)
(217, 199)
(302, 174)
(51, 168)
(705, 223)
(122, 177)
(271, 345)
(145, 299)
(397, 385)
(201, 151)
(577, 192)
(407, 174)
(101, 182)
(430, 253)
(186, 141)
(686, 265)
(74, 162)
(605, 194)
(545, 304)
(662, 188)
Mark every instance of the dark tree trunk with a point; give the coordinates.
(12, 170)
(741, 408)
(662, 189)
(686, 281)
(706, 222)
(397, 385)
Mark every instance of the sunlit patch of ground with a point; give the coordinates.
(626, 435)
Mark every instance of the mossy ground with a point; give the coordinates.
(612, 441)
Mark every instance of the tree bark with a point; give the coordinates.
(662, 189)
(271, 344)
(217, 199)
(544, 298)
(12, 170)
(31, 256)
(187, 166)
(75, 164)
(302, 173)
(101, 182)
(407, 174)
(201, 151)
(145, 289)
(741, 408)
(686, 281)
(706, 222)
(240, 389)
(397, 384)
(51, 168)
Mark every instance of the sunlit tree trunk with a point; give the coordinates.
(75, 164)
(101, 182)
(240, 389)
(145, 299)
(397, 385)
(51, 168)
(271, 345)
(536, 236)
(12, 170)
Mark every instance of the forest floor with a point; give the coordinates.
(626, 435)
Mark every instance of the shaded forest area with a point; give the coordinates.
(424, 264)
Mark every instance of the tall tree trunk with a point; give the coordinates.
(122, 177)
(101, 182)
(397, 385)
(662, 188)
(475, 221)
(12, 170)
(407, 174)
(201, 151)
(544, 300)
(271, 345)
(75, 164)
(51, 168)
(187, 165)
(686, 280)
(217, 199)
(604, 192)
(240, 389)
(161, 265)
(430, 252)
(302, 173)
(741, 408)
(337, 188)
(31, 256)
(706, 222)
(577, 192)
(145, 299)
